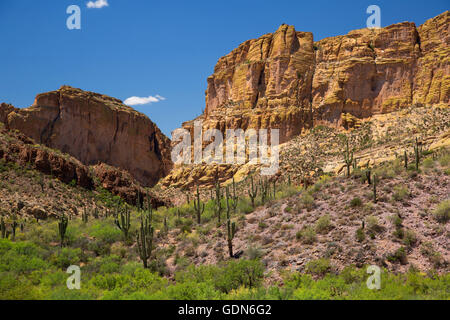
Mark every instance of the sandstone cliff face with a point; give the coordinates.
(264, 83)
(287, 81)
(284, 80)
(94, 128)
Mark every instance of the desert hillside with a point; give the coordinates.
(363, 179)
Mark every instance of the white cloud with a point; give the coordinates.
(98, 4)
(134, 101)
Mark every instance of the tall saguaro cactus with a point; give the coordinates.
(199, 207)
(368, 174)
(417, 154)
(14, 225)
(348, 158)
(253, 192)
(144, 240)
(265, 192)
(62, 227)
(231, 226)
(234, 198)
(124, 222)
(217, 202)
(406, 160)
(374, 188)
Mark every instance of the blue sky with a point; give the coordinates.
(167, 48)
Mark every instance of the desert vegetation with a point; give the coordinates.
(308, 245)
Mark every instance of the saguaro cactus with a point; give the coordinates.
(253, 192)
(62, 227)
(368, 173)
(274, 182)
(14, 226)
(348, 158)
(199, 207)
(374, 188)
(417, 153)
(217, 202)
(231, 227)
(3, 228)
(95, 214)
(166, 226)
(234, 198)
(144, 240)
(406, 160)
(124, 222)
(265, 192)
(85, 216)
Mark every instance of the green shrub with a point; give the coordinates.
(428, 163)
(254, 253)
(409, 238)
(433, 256)
(355, 202)
(66, 257)
(360, 235)
(319, 267)
(307, 201)
(400, 193)
(21, 257)
(323, 225)
(227, 277)
(105, 232)
(244, 206)
(396, 220)
(444, 160)
(246, 273)
(192, 291)
(442, 211)
(398, 256)
(373, 224)
(307, 235)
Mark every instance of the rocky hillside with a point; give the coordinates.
(94, 128)
(377, 139)
(336, 222)
(38, 180)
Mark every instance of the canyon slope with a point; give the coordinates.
(94, 128)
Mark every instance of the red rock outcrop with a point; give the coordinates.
(17, 148)
(120, 183)
(94, 128)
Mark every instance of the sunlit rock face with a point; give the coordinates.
(94, 128)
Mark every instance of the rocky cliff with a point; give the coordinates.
(286, 80)
(94, 128)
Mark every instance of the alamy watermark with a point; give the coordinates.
(374, 281)
(74, 281)
(250, 146)
(74, 20)
(374, 20)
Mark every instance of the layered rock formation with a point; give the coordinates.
(286, 80)
(94, 128)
